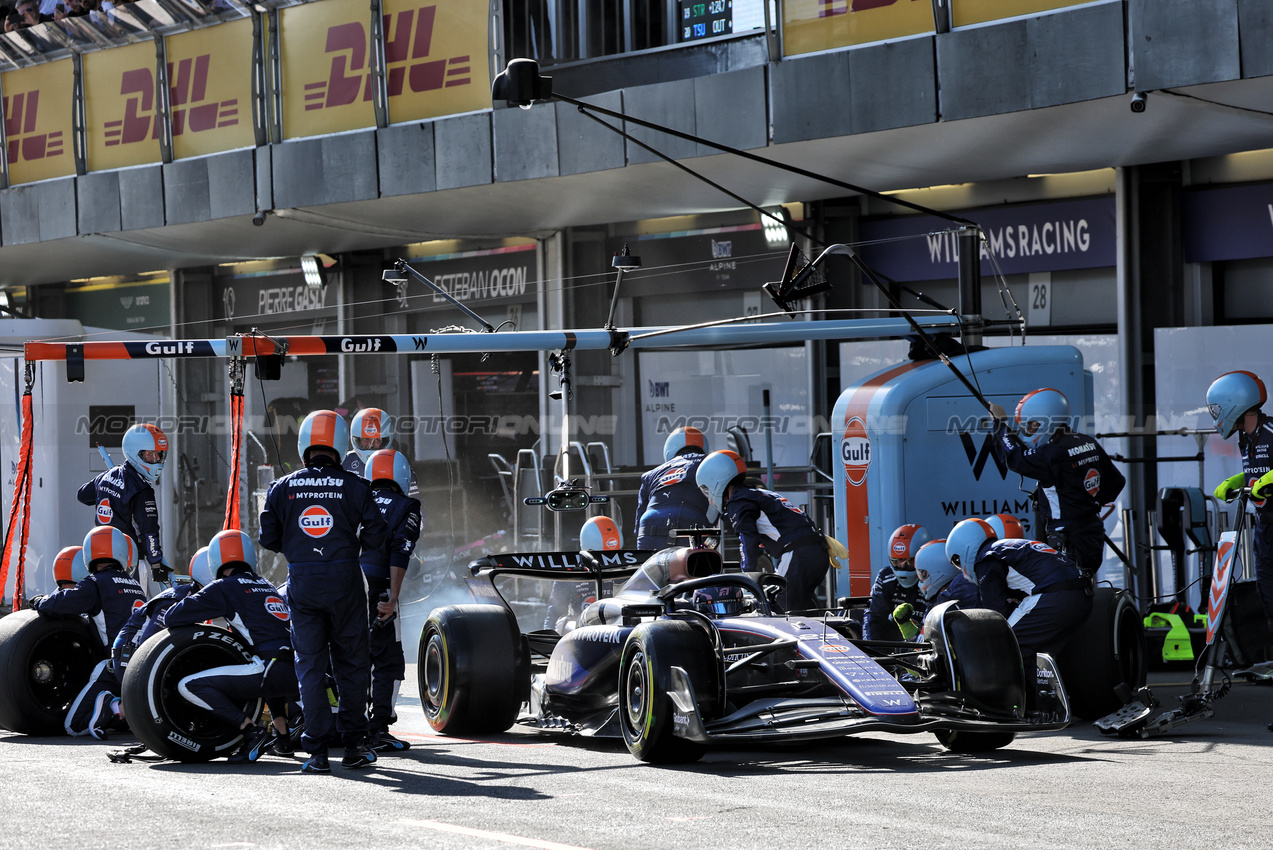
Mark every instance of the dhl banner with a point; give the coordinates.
(436, 58)
(811, 25)
(122, 122)
(210, 89)
(964, 12)
(326, 54)
(37, 121)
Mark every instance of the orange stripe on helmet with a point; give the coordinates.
(382, 465)
(609, 532)
(100, 540)
(738, 461)
(694, 437)
(231, 545)
(160, 438)
(64, 563)
(322, 431)
(371, 425)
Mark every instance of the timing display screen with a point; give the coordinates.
(706, 18)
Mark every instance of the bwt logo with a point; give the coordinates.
(187, 85)
(26, 145)
(407, 41)
(660, 389)
(722, 250)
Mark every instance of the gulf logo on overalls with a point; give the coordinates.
(1092, 482)
(140, 603)
(316, 521)
(277, 607)
(855, 451)
(104, 512)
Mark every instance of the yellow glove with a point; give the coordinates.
(1263, 486)
(902, 616)
(1225, 490)
(836, 550)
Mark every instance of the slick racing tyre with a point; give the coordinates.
(159, 715)
(1108, 650)
(988, 673)
(473, 669)
(645, 678)
(44, 663)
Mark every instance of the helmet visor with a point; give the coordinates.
(371, 444)
(153, 455)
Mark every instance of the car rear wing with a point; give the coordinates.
(561, 566)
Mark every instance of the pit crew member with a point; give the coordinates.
(940, 580)
(895, 599)
(151, 617)
(1060, 595)
(1075, 476)
(669, 497)
(1234, 400)
(124, 495)
(321, 518)
(765, 520)
(371, 430)
(598, 534)
(385, 568)
(253, 608)
(107, 596)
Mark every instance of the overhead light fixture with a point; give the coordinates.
(775, 222)
(313, 271)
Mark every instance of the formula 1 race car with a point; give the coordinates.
(685, 655)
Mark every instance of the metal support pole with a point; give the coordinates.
(970, 283)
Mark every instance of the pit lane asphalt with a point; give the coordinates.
(1205, 785)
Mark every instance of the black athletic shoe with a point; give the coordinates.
(317, 764)
(383, 742)
(253, 744)
(358, 757)
(281, 744)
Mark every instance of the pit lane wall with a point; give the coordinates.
(70, 419)
(914, 447)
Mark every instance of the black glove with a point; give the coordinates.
(160, 572)
(34, 601)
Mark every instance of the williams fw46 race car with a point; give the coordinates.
(684, 656)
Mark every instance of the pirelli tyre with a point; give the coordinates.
(44, 663)
(1106, 652)
(983, 653)
(473, 669)
(645, 677)
(159, 715)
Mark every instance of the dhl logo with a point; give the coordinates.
(187, 89)
(20, 120)
(407, 43)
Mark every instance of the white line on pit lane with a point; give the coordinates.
(491, 836)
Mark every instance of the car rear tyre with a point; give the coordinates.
(163, 719)
(645, 678)
(988, 672)
(473, 669)
(1108, 650)
(44, 663)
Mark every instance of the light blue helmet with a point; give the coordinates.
(105, 544)
(200, 572)
(370, 430)
(145, 448)
(388, 465)
(935, 571)
(682, 439)
(231, 546)
(1040, 413)
(902, 546)
(964, 542)
(1231, 396)
(69, 566)
(600, 534)
(322, 428)
(715, 473)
